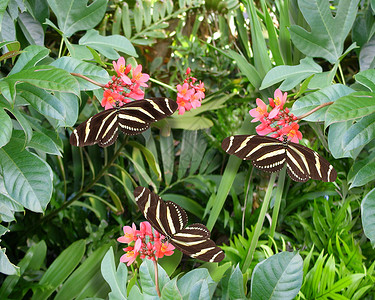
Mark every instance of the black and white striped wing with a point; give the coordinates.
(169, 219)
(266, 153)
(165, 216)
(195, 241)
(132, 118)
(308, 162)
(136, 117)
(101, 128)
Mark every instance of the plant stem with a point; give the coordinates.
(88, 186)
(276, 207)
(259, 225)
(88, 79)
(314, 110)
(156, 278)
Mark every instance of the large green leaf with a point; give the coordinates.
(59, 270)
(368, 216)
(32, 260)
(6, 267)
(312, 100)
(29, 57)
(27, 178)
(336, 144)
(350, 107)
(45, 103)
(31, 29)
(364, 175)
(291, 75)
(73, 65)
(6, 127)
(45, 77)
(236, 285)
(108, 45)
(189, 122)
(360, 133)
(82, 276)
(187, 282)
(367, 55)
(147, 277)
(278, 277)
(167, 155)
(328, 33)
(367, 79)
(76, 15)
(170, 291)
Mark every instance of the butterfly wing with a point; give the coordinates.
(311, 162)
(136, 117)
(165, 216)
(132, 118)
(266, 153)
(101, 128)
(195, 241)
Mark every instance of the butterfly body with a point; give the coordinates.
(170, 220)
(132, 118)
(270, 155)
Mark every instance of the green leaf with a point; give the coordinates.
(45, 77)
(246, 69)
(32, 260)
(29, 57)
(291, 75)
(312, 100)
(117, 283)
(360, 133)
(190, 123)
(200, 291)
(76, 15)
(31, 28)
(6, 128)
(147, 277)
(71, 105)
(353, 106)
(364, 175)
(108, 45)
(60, 269)
(170, 263)
(277, 277)
(367, 55)
(336, 144)
(186, 283)
(73, 65)
(235, 285)
(150, 158)
(170, 291)
(27, 178)
(45, 103)
(216, 271)
(6, 267)
(328, 33)
(167, 155)
(367, 79)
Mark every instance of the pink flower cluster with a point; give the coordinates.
(189, 94)
(148, 243)
(279, 121)
(126, 86)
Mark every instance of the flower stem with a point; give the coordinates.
(88, 79)
(259, 225)
(314, 110)
(156, 278)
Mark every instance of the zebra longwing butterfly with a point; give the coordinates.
(270, 155)
(132, 118)
(169, 219)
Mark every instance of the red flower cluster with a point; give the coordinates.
(124, 87)
(148, 243)
(279, 121)
(190, 95)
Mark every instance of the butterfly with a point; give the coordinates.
(132, 118)
(270, 155)
(170, 220)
